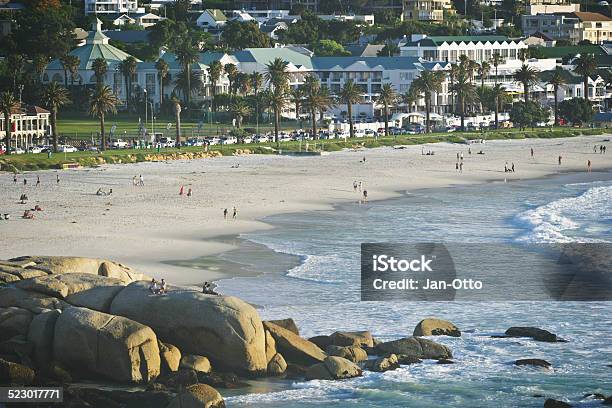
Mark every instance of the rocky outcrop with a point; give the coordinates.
(170, 356)
(15, 374)
(351, 353)
(96, 343)
(199, 364)
(533, 332)
(534, 362)
(270, 346)
(13, 271)
(198, 396)
(436, 327)
(224, 328)
(288, 324)
(41, 334)
(382, 364)
(277, 365)
(14, 321)
(553, 403)
(357, 338)
(416, 347)
(32, 301)
(333, 368)
(294, 348)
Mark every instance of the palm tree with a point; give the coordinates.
(297, 96)
(177, 117)
(466, 93)
(453, 73)
(7, 104)
(386, 98)
(70, 63)
(186, 55)
(277, 74)
(496, 61)
(102, 100)
(585, 65)
(65, 61)
(240, 110)
(497, 92)
(277, 100)
(312, 101)
(527, 76)
(256, 84)
(128, 69)
(350, 94)
(99, 68)
(162, 72)
(483, 71)
(40, 62)
(410, 97)
(191, 83)
(54, 97)
(244, 83)
(15, 64)
(231, 71)
(214, 72)
(556, 80)
(428, 83)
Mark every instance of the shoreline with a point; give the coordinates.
(308, 184)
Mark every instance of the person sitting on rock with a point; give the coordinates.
(163, 287)
(27, 215)
(154, 287)
(37, 208)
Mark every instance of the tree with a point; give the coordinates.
(8, 103)
(297, 97)
(102, 100)
(100, 68)
(15, 64)
(215, 69)
(386, 98)
(455, 69)
(428, 83)
(496, 61)
(231, 71)
(128, 69)
(410, 97)
(389, 50)
(277, 100)
(243, 83)
(316, 99)
(162, 72)
(39, 63)
(576, 110)
(329, 48)
(527, 76)
(54, 97)
(186, 55)
(497, 92)
(585, 66)
(256, 84)
(237, 35)
(191, 82)
(483, 71)
(70, 63)
(528, 113)
(466, 93)
(239, 110)
(350, 94)
(177, 117)
(277, 73)
(557, 80)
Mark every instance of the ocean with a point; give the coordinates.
(320, 290)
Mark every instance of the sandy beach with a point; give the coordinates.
(146, 226)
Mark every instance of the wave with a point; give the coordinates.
(552, 221)
(314, 267)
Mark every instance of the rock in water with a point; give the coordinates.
(351, 353)
(170, 356)
(198, 396)
(533, 362)
(277, 365)
(14, 321)
(553, 403)
(382, 364)
(333, 368)
(415, 347)
(15, 374)
(199, 364)
(533, 332)
(436, 327)
(224, 328)
(40, 334)
(294, 348)
(270, 346)
(358, 338)
(112, 346)
(288, 324)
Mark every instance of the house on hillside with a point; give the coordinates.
(211, 19)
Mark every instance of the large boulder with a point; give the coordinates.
(277, 365)
(534, 362)
(224, 328)
(553, 403)
(70, 264)
(12, 272)
(416, 347)
(40, 334)
(93, 342)
(199, 364)
(288, 324)
(357, 338)
(382, 364)
(32, 301)
(294, 348)
(15, 374)
(351, 353)
(170, 356)
(270, 346)
(333, 368)
(96, 291)
(198, 396)
(14, 321)
(533, 332)
(436, 327)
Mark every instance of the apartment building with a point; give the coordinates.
(112, 6)
(29, 126)
(426, 10)
(575, 27)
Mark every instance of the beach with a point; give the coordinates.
(148, 227)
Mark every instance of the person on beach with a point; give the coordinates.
(360, 185)
(560, 158)
(181, 190)
(506, 167)
(189, 192)
(461, 167)
(153, 287)
(457, 156)
(27, 215)
(37, 181)
(141, 180)
(513, 167)
(365, 196)
(532, 152)
(25, 181)
(163, 287)
(461, 156)
(23, 198)
(15, 179)
(355, 185)
(595, 148)
(234, 213)
(588, 166)
(57, 179)
(225, 213)
(134, 182)
(456, 166)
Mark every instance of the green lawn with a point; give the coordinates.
(41, 161)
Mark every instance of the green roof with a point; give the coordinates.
(569, 76)
(569, 51)
(217, 14)
(266, 55)
(468, 38)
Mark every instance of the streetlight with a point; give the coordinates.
(144, 132)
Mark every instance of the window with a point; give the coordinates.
(150, 83)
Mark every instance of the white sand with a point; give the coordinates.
(143, 226)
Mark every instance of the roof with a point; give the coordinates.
(562, 52)
(366, 50)
(542, 36)
(266, 55)
(384, 63)
(128, 36)
(216, 14)
(569, 76)
(35, 110)
(439, 40)
(589, 16)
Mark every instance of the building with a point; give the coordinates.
(575, 27)
(426, 10)
(29, 127)
(143, 20)
(112, 7)
(573, 88)
(211, 19)
(594, 27)
(312, 5)
(366, 19)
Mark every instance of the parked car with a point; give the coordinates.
(119, 144)
(17, 151)
(66, 149)
(371, 133)
(228, 140)
(35, 149)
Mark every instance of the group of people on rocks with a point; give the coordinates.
(207, 289)
(158, 288)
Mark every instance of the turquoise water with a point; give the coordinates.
(322, 295)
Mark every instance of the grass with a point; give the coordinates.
(31, 162)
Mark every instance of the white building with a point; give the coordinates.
(144, 20)
(29, 127)
(367, 19)
(211, 19)
(112, 6)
